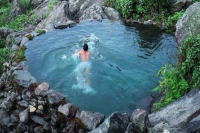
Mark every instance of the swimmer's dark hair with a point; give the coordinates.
(85, 47)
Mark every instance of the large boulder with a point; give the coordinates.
(179, 116)
(4, 32)
(177, 5)
(17, 9)
(91, 119)
(115, 123)
(56, 16)
(189, 23)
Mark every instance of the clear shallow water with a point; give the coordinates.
(123, 66)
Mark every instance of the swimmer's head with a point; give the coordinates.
(85, 47)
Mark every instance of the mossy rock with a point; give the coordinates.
(29, 36)
(40, 32)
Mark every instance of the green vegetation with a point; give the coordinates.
(52, 3)
(20, 54)
(2, 42)
(180, 79)
(4, 56)
(26, 4)
(40, 32)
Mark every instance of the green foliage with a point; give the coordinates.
(26, 4)
(40, 32)
(4, 3)
(173, 84)
(174, 18)
(2, 42)
(4, 56)
(52, 3)
(20, 54)
(5, 12)
(189, 59)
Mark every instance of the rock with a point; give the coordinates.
(180, 113)
(4, 118)
(111, 13)
(38, 129)
(4, 32)
(148, 22)
(140, 120)
(189, 23)
(36, 3)
(91, 119)
(24, 78)
(23, 103)
(68, 110)
(31, 109)
(60, 26)
(22, 128)
(54, 97)
(17, 9)
(71, 23)
(14, 118)
(24, 116)
(178, 5)
(93, 12)
(38, 119)
(56, 16)
(115, 123)
(42, 87)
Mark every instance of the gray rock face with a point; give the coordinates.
(24, 78)
(189, 23)
(91, 119)
(36, 3)
(24, 116)
(177, 5)
(57, 15)
(115, 123)
(140, 120)
(17, 9)
(4, 32)
(42, 87)
(68, 110)
(54, 97)
(111, 13)
(38, 119)
(181, 113)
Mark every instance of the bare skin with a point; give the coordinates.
(85, 55)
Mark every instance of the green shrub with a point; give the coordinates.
(4, 56)
(173, 84)
(20, 54)
(2, 42)
(52, 3)
(26, 4)
(40, 32)
(189, 59)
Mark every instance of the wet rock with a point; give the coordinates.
(24, 41)
(91, 119)
(180, 113)
(38, 119)
(140, 120)
(24, 116)
(60, 26)
(189, 23)
(54, 97)
(42, 87)
(148, 22)
(115, 123)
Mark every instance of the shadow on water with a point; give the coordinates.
(124, 63)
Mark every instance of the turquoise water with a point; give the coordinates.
(122, 70)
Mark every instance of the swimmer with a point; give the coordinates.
(84, 53)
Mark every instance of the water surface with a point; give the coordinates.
(123, 66)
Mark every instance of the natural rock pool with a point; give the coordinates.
(124, 64)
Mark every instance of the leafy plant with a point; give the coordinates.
(4, 56)
(20, 54)
(26, 4)
(173, 84)
(174, 18)
(52, 3)
(189, 59)
(2, 42)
